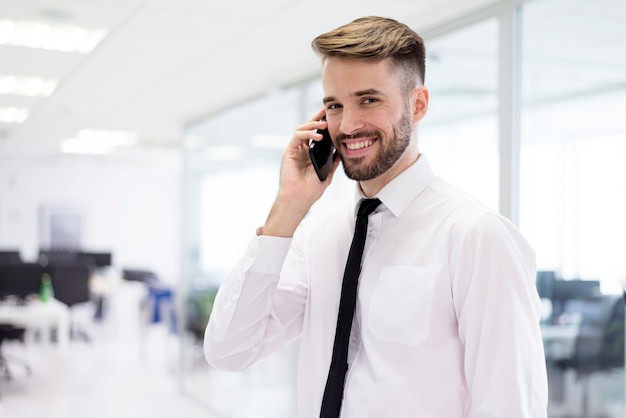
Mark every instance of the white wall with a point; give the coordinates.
(130, 205)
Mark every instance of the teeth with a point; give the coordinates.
(359, 145)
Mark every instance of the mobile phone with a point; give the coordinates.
(322, 154)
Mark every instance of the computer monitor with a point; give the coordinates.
(54, 257)
(20, 280)
(545, 283)
(10, 257)
(99, 259)
(565, 290)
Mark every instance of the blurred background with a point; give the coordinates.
(140, 143)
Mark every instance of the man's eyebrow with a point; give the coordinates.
(366, 92)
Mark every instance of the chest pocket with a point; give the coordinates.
(401, 304)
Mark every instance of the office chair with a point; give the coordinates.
(136, 275)
(599, 346)
(11, 332)
(70, 283)
(159, 302)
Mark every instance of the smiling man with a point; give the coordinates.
(436, 313)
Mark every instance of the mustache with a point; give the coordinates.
(358, 135)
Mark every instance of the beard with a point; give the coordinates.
(388, 154)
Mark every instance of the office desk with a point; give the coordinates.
(37, 314)
(559, 342)
(559, 332)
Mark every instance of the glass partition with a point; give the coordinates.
(460, 131)
(231, 176)
(573, 195)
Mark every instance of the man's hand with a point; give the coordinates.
(299, 186)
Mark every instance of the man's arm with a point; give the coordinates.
(498, 311)
(256, 312)
(253, 315)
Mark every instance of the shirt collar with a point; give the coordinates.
(398, 194)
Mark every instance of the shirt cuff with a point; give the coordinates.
(266, 254)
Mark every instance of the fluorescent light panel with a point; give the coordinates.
(10, 114)
(97, 142)
(18, 85)
(65, 38)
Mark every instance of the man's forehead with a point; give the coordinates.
(356, 77)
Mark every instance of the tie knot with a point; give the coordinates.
(367, 206)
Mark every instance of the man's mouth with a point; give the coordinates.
(360, 144)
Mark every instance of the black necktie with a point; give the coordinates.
(333, 393)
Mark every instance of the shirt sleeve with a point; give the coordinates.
(255, 313)
(498, 312)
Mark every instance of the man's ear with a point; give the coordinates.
(420, 103)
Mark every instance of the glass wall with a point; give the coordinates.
(572, 191)
(231, 178)
(573, 194)
(460, 132)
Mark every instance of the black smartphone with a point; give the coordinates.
(322, 154)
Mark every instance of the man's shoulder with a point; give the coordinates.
(450, 200)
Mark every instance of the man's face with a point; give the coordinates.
(369, 118)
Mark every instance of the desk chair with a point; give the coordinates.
(11, 332)
(71, 286)
(145, 276)
(599, 345)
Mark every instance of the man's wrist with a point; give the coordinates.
(283, 220)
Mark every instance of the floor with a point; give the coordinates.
(131, 368)
(267, 389)
(111, 376)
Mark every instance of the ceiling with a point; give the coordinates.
(166, 63)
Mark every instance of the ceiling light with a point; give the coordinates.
(113, 138)
(13, 114)
(26, 86)
(65, 38)
(56, 14)
(97, 142)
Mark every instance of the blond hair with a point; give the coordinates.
(376, 38)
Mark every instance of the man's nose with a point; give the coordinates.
(351, 121)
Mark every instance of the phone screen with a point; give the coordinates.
(322, 153)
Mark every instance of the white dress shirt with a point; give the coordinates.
(447, 318)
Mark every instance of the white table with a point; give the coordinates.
(559, 340)
(40, 315)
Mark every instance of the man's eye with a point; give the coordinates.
(333, 106)
(369, 100)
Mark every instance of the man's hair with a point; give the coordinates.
(376, 38)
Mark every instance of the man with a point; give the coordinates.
(446, 322)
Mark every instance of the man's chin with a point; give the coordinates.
(359, 173)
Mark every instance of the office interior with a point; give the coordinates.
(526, 113)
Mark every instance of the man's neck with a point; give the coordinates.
(370, 188)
